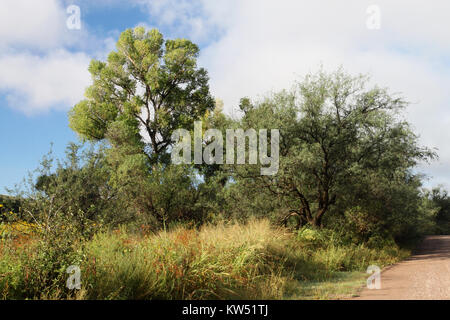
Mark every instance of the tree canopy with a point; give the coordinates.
(335, 133)
(146, 89)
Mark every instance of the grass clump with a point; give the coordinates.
(216, 262)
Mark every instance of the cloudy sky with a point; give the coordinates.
(249, 47)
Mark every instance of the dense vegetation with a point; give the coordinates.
(345, 195)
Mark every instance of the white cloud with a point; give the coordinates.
(199, 20)
(39, 24)
(34, 84)
(42, 62)
(269, 44)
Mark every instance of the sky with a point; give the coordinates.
(249, 47)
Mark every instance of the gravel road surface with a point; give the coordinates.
(425, 275)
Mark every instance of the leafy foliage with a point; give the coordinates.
(149, 85)
(341, 145)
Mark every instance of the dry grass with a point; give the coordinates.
(220, 262)
(224, 261)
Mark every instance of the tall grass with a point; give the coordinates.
(221, 262)
(224, 261)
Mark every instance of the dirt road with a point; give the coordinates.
(425, 275)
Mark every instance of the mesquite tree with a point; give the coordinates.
(334, 133)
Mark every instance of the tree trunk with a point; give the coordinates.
(317, 220)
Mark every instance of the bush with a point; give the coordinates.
(324, 252)
(36, 269)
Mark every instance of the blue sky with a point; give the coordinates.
(25, 138)
(249, 47)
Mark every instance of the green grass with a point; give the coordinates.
(225, 261)
(341, 286)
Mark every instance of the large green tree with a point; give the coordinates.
(337, 135)
(146, 89)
